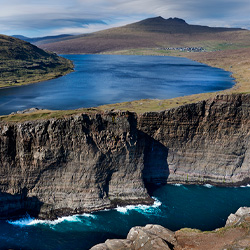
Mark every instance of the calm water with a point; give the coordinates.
(202, 207)
(103, 79)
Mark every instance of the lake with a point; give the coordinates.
(177, 206)
(105, 79)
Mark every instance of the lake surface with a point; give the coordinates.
(177, 206)
(104, 79)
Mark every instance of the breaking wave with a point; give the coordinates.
(208, 185)
(29, 221)
(139, 208)
(248, 185)
(177, 185)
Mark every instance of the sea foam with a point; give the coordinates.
(208, 185)
(29, 221)
(139, 208)
(248, 185)
(177, 185)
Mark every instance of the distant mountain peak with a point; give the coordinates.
(159, 17)
(176, 19)
(160, 21)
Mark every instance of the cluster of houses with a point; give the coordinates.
(187, 49)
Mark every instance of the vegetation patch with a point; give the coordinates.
(46, 114)
(23, 63)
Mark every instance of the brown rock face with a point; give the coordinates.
(73, 165)
(205, 142)
(89, 162)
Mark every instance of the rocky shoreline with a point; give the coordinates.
(92, 161)
(235, 235)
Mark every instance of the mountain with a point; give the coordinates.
(45, 39)
(22, 63)
(172, 25)
(150, 33)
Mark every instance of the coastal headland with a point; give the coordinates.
(95, 160)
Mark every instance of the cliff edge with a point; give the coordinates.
(91, 161)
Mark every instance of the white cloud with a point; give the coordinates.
(48, 16)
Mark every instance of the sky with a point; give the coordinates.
(35, 18)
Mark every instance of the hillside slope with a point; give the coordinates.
(45, 39)
(152, 33)
(22, 63)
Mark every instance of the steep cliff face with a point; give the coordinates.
(89, 162)
(205, 142)
(72, 165)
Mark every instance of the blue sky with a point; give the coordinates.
(52, 17)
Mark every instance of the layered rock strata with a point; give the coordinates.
(205, 142)
(73, 165)
(235, 235)
(89, 162)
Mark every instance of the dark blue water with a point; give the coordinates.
(202, 207)
(104, 79)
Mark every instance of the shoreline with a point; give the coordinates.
(156, 203)
(122, 204)
(159, 104)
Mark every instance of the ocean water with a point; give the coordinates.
(176, 206)
(105, 79)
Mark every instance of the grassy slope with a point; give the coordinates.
(23, 63)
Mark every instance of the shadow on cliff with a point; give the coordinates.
(15, 206)
(156, 169)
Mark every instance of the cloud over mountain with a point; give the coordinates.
(43, 17)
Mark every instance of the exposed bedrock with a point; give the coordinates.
(205, 142)
(89, 162)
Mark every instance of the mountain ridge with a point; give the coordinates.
(176, 25)
(147, 34)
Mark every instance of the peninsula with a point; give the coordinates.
(23, 63)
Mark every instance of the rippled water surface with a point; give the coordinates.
(104, 79)
(203, 207)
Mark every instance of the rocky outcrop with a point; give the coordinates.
(89, 162)
(145, 238)
(235, 235)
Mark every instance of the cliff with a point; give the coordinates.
(235, 235)
(88, 162)
(205, 142)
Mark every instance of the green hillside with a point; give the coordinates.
(24, 63)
